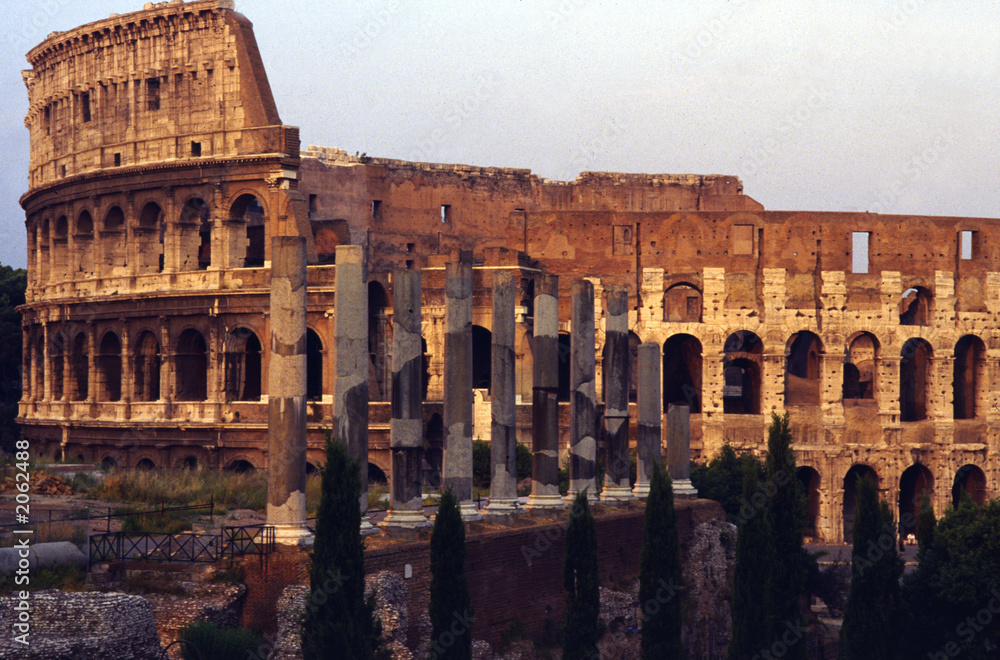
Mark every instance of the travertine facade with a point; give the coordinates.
(160, 171)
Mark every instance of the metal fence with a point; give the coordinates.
(229, 542)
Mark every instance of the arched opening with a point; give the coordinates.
(633, 366)
(79, 364)
(311, 469)
(147, 368)
(314, 366)
(970, 375)
(113, 241)
(38, 390)
(109, 368)
(859, 367)
(915, 306)
(682, 372)
(240, 466)
(564, 357)
(327, 235)
(741, 373)
(108, 463)
(243, 366)
(61, 228)
(145, 464)
(854, 475)
(149, 239)
(57, 357)
(376, 475)
(189, 463)
(434, 452)
(914, 376)
(84, 240)
(248, 210)
(682, 304)
(969, 479)
(802, 369)
(191, 359)
(379, 381)
(809, 478)
(482, 357)
(195, 235)
(916, 482)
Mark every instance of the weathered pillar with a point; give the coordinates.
(458, 386)
(650, 409)
(583, 393)
(679, 449)
(406, 435)
(545, 393)
(46, 359)
(286, 427)
(350, 400)
(616, 385)
(503, 443)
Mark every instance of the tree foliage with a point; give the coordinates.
(660, 572)
(13, 283)
(582, 583)
(722, 479)
(340, 622)
(872, 611)
(451, 605)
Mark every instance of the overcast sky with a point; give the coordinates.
(827, 105)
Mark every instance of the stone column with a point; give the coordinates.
(503, 443)
(47, 371)
(583, 394)
(458, 386)
(286, 428)
(679, 449)
(545, 393)
(406, 436)
(650, 409)
(350, 400)
(616, 384)
(94, 381)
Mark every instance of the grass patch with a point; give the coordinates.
(155, 523)
(231, 490)
(378, 496)
(138, 582)
(66, 578)
(314, 489)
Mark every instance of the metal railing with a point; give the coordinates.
(182, 546)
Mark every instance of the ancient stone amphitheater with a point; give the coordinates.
(160, 170)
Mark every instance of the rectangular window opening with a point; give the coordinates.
(118, 160)
(409, 247)
(743, 240)
(377, 209)
(445, 212)
(48, 120)
(966, 243)
(195, 149)
(85, 106)
(63, 170)
(860, 241)
(409, 264)
(312, 203)
(153, 94)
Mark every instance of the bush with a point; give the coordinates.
(524, 461)
(155, 523)
(481, 463)
(64, 578)
(216, 643)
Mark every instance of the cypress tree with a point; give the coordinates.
(450, 606)
(752, 614)
(788, 508)
(926, 522)
(660, 573)
(339, 622)
(581, 581)
(873, 602)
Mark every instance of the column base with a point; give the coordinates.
(683, 488)
(503, 507)
(469, 512)
(293, 534)
(405, 519)
(641, 491)
(613, 494)
(592, 496)
(539, 502)
(367, 528)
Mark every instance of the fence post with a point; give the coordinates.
(109, 519)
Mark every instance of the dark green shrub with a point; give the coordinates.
(481, 463)
(216, 643)
(524, 460)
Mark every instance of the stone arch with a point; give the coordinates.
(802, 369)
(191, 366)
(243, 365)
(314, 366)
(682, 356)
(327, 235)
(113, 241)
(810, 479)
(914, 380)
(60, 228)
(57, 357)
(147, 367)
(83, 238)
(379, 343)
(482, 358)
(970, 377)
(249, 212)
(108, 463)
(857, 472)
(194, 235)
(860, 362)
(972, 480)
(109, 367)
(149, 237)
(915, 482)
(742, 361)
(189, 462)
(38, 391)
(79, 368)
(916, 306)
(240, 464)
(376, 475)
(682, 303)
(145, 464)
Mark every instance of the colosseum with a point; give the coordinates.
(160, 171)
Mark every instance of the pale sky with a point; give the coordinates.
(824, 105)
